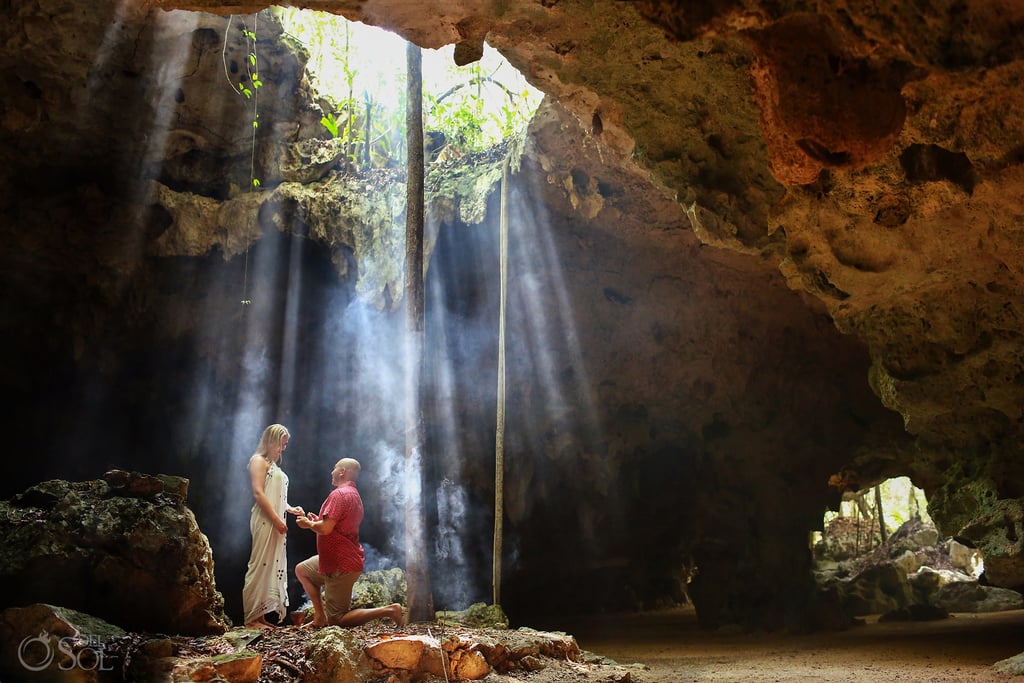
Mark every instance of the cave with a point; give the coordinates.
(760, 255)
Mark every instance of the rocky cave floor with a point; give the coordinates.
(673, 649)
(668, 646)
(663, 646)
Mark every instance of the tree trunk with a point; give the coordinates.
(878, 512)
(912, 504)
(417, 574)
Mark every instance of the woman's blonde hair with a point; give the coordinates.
(272, 436)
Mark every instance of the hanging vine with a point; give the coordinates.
(252, 93)
(249, 87)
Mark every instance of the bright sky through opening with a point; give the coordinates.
(353, 60)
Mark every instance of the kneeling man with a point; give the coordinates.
(339, 559)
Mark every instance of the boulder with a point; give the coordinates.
(955, 591)
(457, 657)
(380, 587)
(928, 581)
(336, 656)
(911, 561)
(970, 596)
(125, 548)
(1011, 665)
(231, 667)
(468, 665)
(879, 589)
(45, 642)
(967, 560)
(403, 652)
(479, 614)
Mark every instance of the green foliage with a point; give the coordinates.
(901, 501)
(360, 77)
(330, 123)
(249, 89)
(252, 63)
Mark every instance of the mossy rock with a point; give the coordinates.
(477, 615)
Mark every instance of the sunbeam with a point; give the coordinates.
(318, 349)
(548, 330)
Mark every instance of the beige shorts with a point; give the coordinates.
(337, 588)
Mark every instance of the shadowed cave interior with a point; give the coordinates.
(760, 255)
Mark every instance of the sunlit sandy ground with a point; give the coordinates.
(960, 649)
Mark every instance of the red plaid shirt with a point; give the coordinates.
(340, 550)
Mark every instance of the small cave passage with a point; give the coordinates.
(881, 556)
(869, 517)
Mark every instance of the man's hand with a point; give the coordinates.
(316, 523)
(307, 521)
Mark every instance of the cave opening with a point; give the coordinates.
(876, 513)
(883, 547)
(358, 75)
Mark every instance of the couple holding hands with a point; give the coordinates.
(339, 559)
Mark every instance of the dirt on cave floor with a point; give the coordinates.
(674, 649)
(668, 646)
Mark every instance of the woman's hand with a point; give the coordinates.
(296, 510)
(281, 527)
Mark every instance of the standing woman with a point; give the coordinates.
(266, 579)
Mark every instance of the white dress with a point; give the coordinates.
(266, 579)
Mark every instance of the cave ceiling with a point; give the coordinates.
(872, 150)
